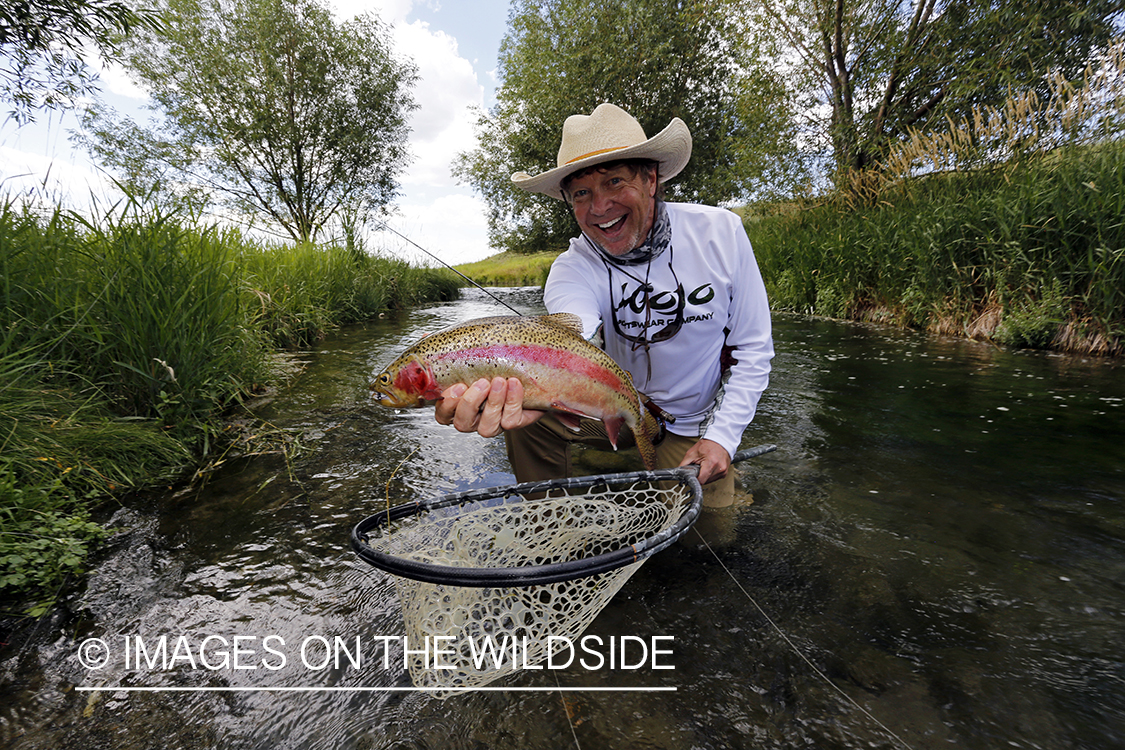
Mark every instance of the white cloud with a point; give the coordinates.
(53, 180)
(447, 82)
(433, 210)
(116, 81)
(447, 88)
(452, 227)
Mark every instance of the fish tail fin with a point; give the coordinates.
(646, 436)
(647, 450)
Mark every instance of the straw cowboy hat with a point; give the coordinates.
(608, 134)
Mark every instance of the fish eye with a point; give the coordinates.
(384, 379)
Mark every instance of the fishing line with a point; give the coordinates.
(392, 476)
(566, 710)
(391, 229)
(796, 650)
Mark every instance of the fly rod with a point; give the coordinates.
(391, 229)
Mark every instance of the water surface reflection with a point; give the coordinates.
(940, 533)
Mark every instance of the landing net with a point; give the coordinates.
(488, 576)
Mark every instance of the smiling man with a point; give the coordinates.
(614, 203)
(671, 290)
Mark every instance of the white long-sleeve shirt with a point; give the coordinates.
(711, 257)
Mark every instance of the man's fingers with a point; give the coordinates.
(713, 460)
(493, 411)
(485, 407)
(513, 416)
(515, 393)
(709, 471)
(447, 404)
(467, 415)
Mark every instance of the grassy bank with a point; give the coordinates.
(1028, 255)
(510, 269)
(1006, 225)
(124, 343)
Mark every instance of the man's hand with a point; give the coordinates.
(713, 460)
(485, 408)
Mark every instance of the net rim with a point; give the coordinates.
(528, 575)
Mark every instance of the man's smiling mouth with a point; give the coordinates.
(610, 224)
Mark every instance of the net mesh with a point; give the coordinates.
(465, 636)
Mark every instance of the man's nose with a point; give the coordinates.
(600, 200)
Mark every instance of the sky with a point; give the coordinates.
(454, 43)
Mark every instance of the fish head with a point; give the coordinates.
(408, 382)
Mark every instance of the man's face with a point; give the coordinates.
(615, 208)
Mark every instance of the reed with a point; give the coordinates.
(123, 343)
(299, 293)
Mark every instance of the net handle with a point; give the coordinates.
(740, 456)
(537, 575)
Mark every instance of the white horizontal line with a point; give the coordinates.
(116, 689)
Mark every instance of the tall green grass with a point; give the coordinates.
(297, 293)
(137, 310)
(1007, 224)
(1029, 255)
(125, 341)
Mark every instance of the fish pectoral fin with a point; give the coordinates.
(568, 415)
(568, 409)
(613, 429)
(572, 422)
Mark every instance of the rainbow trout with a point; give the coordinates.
(560, 371)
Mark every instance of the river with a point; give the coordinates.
(934, 557)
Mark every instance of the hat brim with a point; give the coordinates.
(671, 147)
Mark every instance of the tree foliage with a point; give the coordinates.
(44, 45)
(868, 71)
(657, 60)
(287, 114)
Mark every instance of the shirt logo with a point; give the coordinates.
(662, 301)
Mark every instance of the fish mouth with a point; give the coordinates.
(397, 401)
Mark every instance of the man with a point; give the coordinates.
(673, 290)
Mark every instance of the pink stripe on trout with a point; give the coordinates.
(560, 372)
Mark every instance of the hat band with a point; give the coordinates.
(595, 153)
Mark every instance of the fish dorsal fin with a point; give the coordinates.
(569, 321)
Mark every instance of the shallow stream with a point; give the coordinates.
(933, 557)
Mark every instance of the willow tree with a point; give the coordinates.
(45, 46)
(868, 71)
(657, 60)
(272, 105)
